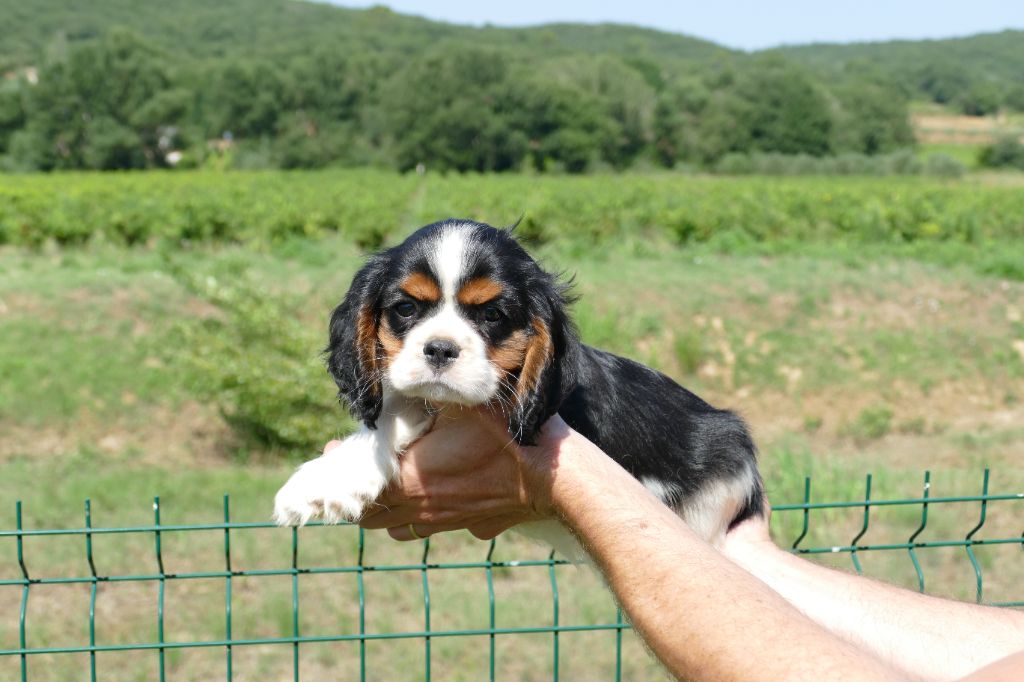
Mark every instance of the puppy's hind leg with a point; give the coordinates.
(712, 510)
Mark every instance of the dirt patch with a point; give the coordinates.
(947, 129)
(956, 424)
(190, 434)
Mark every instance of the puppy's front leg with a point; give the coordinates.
(339, 484)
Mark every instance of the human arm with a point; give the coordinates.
(934, 638)
(702, 615)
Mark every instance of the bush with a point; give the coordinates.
(870, 424)
(1006, 152)
(261, 367)
(943, 166)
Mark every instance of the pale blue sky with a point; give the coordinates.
(746, 24)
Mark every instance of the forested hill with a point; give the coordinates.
(988, 68)
(283, 28)
(113, 84)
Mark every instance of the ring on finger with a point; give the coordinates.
(412, 531)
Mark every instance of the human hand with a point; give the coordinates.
(465, 473)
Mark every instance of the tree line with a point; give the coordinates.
(975, 76)
(117, 102)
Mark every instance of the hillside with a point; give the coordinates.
(237, 28)
(117, 84)
(940, 70)
(194, 29)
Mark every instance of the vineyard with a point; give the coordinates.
(372, 208)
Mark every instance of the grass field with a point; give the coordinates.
(848, 353)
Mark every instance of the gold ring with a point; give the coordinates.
(412, 530)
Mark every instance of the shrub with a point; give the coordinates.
(262, 368)
(943, 166)
(870, 424)
(1006, 152)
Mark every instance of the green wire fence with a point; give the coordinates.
(972, 539)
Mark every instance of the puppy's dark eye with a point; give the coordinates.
(491, 313)
(405, 309)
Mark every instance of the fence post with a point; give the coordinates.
(912, 540)
(163, 584)
(227, 586)
(92, 591)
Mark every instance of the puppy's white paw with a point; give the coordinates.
(334, 488)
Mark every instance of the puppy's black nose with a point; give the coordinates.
(440, 352)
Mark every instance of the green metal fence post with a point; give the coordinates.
(426, 609)
(227, 586)
(163, 585)
(554, 614)
(912, 540)
(92, 591)
(864, 528)
(970, 536)
(807, 512)
(362, 609)
(295, 601)
(618, 645)
(24, 592)
(490, 602)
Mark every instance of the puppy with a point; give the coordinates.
(460, 314)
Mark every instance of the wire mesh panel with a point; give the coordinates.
(421, 624)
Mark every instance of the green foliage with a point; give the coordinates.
(1007, 152)
(870, 424)
(784, 111)
(943, 166)
(1014, 97)
(980, 99)
(943, 71)
(371, 208)
(102, 107)
(286, 84)
(872, 118)
(260, 366)
(261, 208)
(689, 351)
(848, 163)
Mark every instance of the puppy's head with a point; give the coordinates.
(459, 313)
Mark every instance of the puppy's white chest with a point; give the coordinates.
(403, 420)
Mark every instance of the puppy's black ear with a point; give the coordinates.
(548, 374)
(353, 353)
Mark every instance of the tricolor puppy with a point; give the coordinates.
(460, 314)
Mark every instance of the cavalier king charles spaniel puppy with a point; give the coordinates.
(460, 314)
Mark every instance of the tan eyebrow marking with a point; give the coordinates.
(479, 290)
(421, 287)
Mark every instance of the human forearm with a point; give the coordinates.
(930, 637)
(691, 605)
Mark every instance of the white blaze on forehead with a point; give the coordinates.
(450, 257)
(471, 379)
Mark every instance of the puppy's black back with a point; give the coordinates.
(659, 431)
